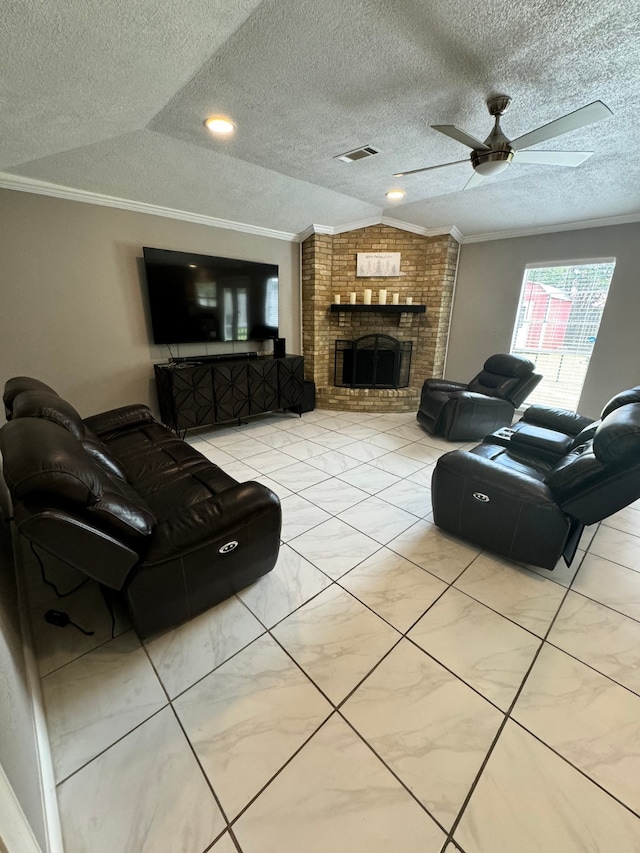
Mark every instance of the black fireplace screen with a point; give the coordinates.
(373, 361)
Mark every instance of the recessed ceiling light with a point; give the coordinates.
(396, 195)
(220, 124)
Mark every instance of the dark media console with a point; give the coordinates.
(227, 388)
(212, 359)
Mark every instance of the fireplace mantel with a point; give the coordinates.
(348, 308)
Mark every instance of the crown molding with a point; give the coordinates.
(30, 185)
(583, 225)
(381, 220)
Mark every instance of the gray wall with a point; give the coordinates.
(18, 755)
(488, 289)
(73, 311)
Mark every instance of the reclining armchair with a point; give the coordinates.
(528, 492)
(464, 412)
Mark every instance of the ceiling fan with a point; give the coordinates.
(497, 152)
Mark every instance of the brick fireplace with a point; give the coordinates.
(427, 275)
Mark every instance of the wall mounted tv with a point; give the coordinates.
(198, 298)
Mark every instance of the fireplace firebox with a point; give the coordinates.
(372, 361)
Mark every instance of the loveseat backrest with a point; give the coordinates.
(601, 476)
(16, 386)
(48, 406)
(46, 467)
(631, 395)
(503, 376)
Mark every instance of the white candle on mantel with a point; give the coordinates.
(352, 297)
(409, 300)
(382, 297)
(367, 297)
(395, 298)
(336, 299)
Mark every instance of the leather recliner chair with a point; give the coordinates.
(528, 496)
(464, 412)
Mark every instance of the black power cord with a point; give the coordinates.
(50, 583)
(57, 617)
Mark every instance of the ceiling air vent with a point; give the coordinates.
(357, 154)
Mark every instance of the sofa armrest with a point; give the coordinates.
(560, 420)
(212, 522)
(116, 419)
(443, 385)
(499, 508)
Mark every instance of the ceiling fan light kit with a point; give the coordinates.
(497, 152)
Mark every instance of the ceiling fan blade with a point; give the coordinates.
(474, 181)
(554, 158)
(460, 136)
(579, 118)
(429, 168)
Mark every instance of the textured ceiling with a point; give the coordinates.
(110, 98)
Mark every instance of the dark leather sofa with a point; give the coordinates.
(121, 498)
(461, 411)
(528, 492)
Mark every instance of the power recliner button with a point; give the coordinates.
(228, 547)
(479, 496)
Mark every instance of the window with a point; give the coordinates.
(557, 325)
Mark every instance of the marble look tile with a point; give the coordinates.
(56, 646)
(187, 653)
(304, 450)
(396, 589)
(627, 520)
(224, 845)
(396, 463)
(423, 477)
(277, 488)
(241, 471)
(420, 452)
(486, 650)
(562, 573)
(378, 519)
(335, 441)
(363, 451)
(96, 699)
(299, 515)
(334, 547)
(144, 794)
(432, 730)
(387, 442)
(526, 598)
(610, 584)
(600, 637)
(247, 718)
(216, 455)
(618, 546)
(267, 461)
(333, 462)
(291, 582)
(336, 640)
(591, 721)
(368, 478)
(408, 496)
(335, 795)
(528, 799)
(245, 447)
(299, 476)
(280, 439)
(412, 431)
(442, 444)
(359, 431)
(303, 430)
(434, 550)
(334, 496)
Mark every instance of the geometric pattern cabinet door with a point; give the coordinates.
(231, 391)
(291, 381)
(263, 386)
(185, 396)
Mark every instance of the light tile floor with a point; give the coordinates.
(386, 688)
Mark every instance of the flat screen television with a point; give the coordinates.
(204, 299)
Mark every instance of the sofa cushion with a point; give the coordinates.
(48, 465)
(617, 439)
(49, 406)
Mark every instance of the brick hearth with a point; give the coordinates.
(427, 275)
